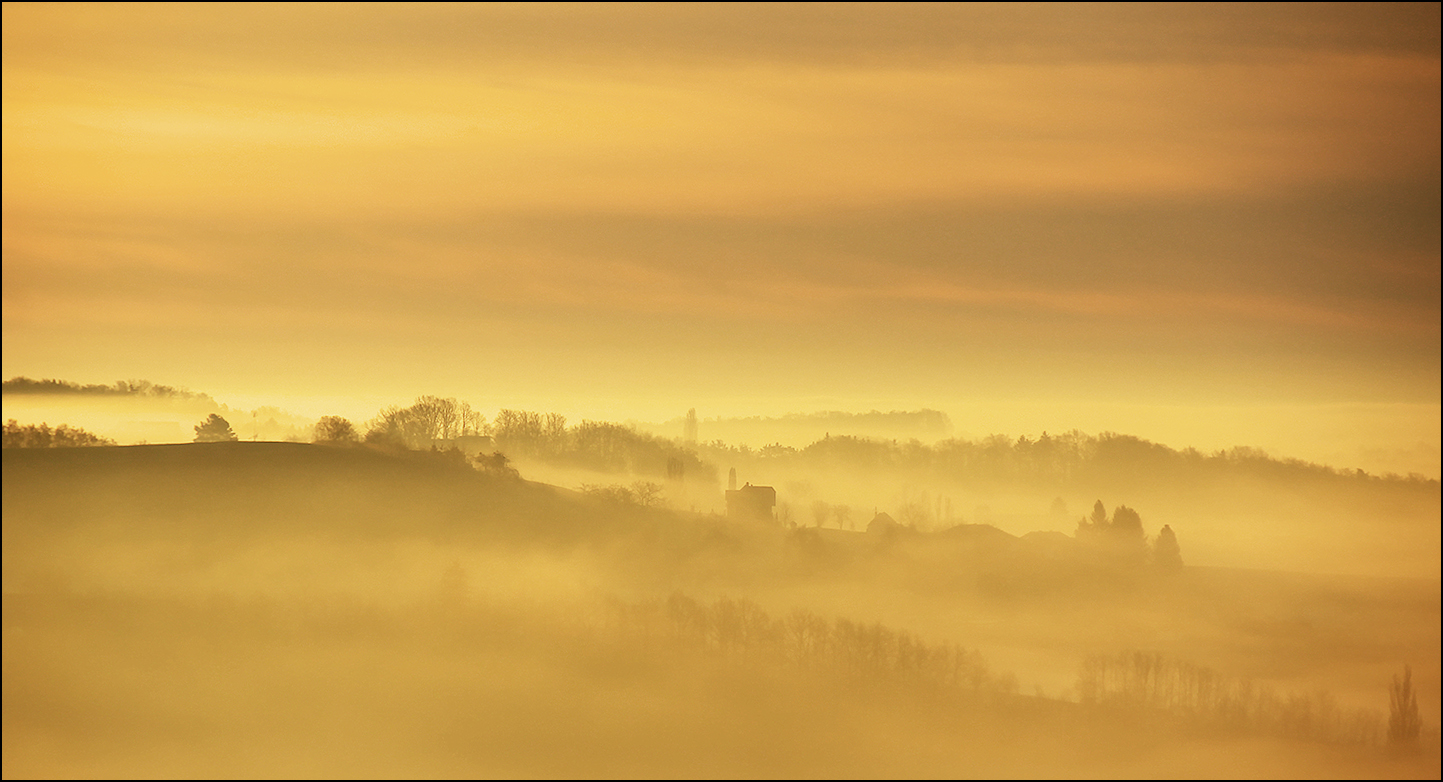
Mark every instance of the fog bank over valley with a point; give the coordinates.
(606, 603)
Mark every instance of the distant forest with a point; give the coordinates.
(1048, 462)
(801, 428)
(1060, 460)
(42, 436)
(24, 385)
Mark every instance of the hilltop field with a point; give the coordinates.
(286, 609)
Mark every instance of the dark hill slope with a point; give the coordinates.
(235, 502)
(241, 489)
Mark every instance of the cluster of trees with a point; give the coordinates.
(526, 433)
(42, 436)
(1122, 537)
(741, 628)
(495, 464)
(596, 445)
(1198, 694)
(335, 429)
(822, 510)
(1130, 680)
(420, 425)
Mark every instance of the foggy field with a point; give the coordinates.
(272, 609)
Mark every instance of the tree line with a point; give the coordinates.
(871, 651)
(866, 650)
(24, 385)
(1060, 461)
(42, 436)
(1197, 694)
(434, 422)
(1122, 540)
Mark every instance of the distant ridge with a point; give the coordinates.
(803, 428)
(24, 385)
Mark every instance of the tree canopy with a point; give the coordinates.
(1165, 551)
(335, 429)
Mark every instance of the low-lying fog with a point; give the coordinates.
(274, 609)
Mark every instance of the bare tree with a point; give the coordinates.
(431, 418)
(820, 512)
(438, 417)
(913, 513)
(1403, 723)
(784, 514)
(517, 430)
(472, 422)
(647, 494)
(553, 432)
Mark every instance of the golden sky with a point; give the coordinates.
(1179, 221)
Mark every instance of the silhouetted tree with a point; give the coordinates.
(402, 427)
(1126, 525)
(1165, 551)
(1099, 515)
(214, 429)
(444, 419)
(1403, 723)
(1150, 681)
(820, 511)
(472, 422)
(431, 418)
(495, 464)
(1094, 526)
(647, 494)
(842, 513)
(335, 429)
(689, 431)
(913, 513)
(553, 432)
